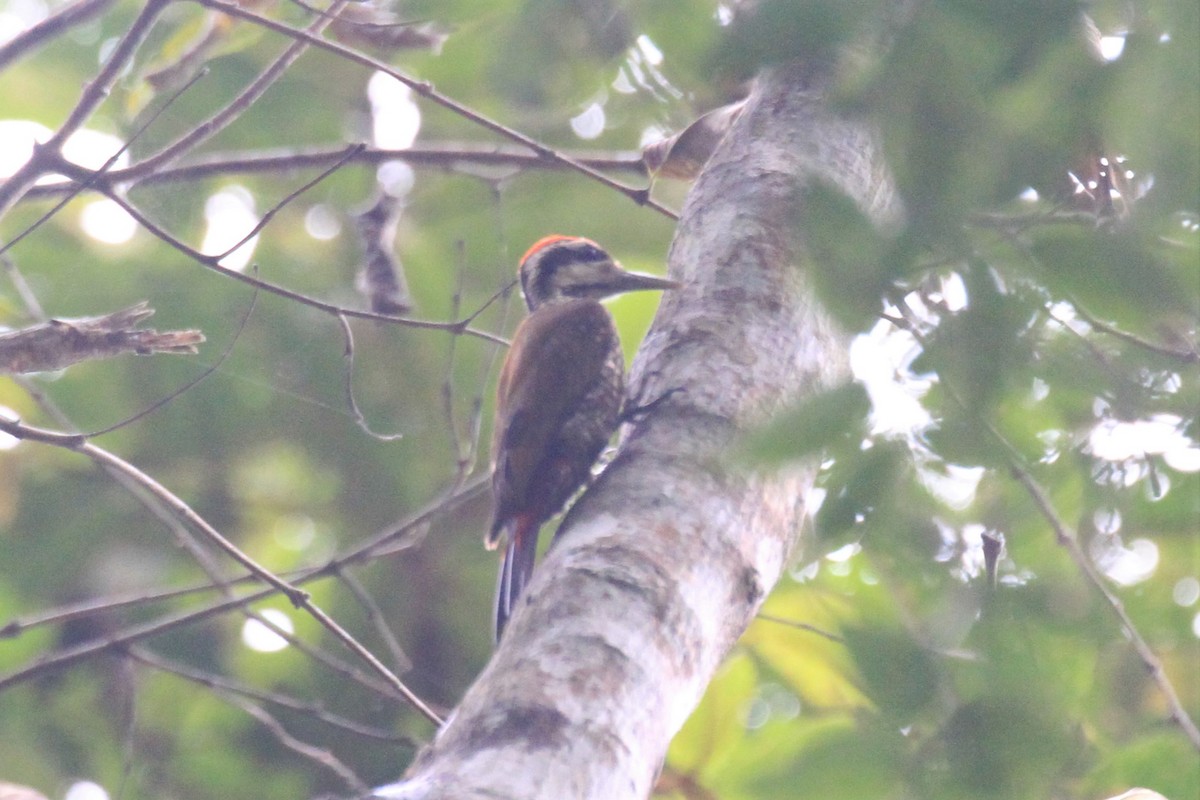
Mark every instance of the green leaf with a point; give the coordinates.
(817, 668)
(1005, 748)
(1114, 274)
(978, 351)
(840, 760)
(808, 426)
(779, 31)
(899, 675)
(858, 485)
(851, 263)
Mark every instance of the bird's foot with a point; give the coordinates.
(635, 413)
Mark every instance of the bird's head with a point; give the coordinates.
(560, 268)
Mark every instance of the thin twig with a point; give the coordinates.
(348, 385)
(447, 156)
(1067, 539)
(56, 24)
(426, 90)
(1191, 356)
(130, 635)
(162, 401)
(121, 640)
(401, 662)
(186, 515)
(246, 98)
(1016, 223)
(803, 626)
(211, 262)
(128, 727)
(24, 290)
(318, 755)
(88, 608)
(287, 199)
(82, 179)
(314, 710)
(475, 427)
(50, 153)
(448, 377)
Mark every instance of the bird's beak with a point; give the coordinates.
(624, 281)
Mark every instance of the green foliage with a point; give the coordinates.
(899, 675)
(814, 423)
(1119, 276)
(852, 263)
(775, 32)
(1029, 332)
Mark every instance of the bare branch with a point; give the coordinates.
(1191, 355)
(1070, 542)
(236, 107)
(348, 384)
(47, 156)
(378, 620)
(212, 262)
(318, 755)
(91, 607)
(425, 89)
(395, 538)
(270, 214)
(448, 156)
(80, 178)
(56, 24)
(314, 710)
(1067, 539)
(121, 640)
(187, 516)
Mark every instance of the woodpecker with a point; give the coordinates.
(559, 397)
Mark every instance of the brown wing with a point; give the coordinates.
(559, 355)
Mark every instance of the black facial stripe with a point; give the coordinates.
(558, 255)
(554, 257)
(581, 289)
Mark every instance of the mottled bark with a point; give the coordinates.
(665, 560)
(59, 343)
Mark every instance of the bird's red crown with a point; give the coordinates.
(546, 241)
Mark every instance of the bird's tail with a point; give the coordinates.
(516, 568)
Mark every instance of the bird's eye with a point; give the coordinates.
(553, 259)
(589, 252)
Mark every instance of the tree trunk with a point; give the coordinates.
(665, 560)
